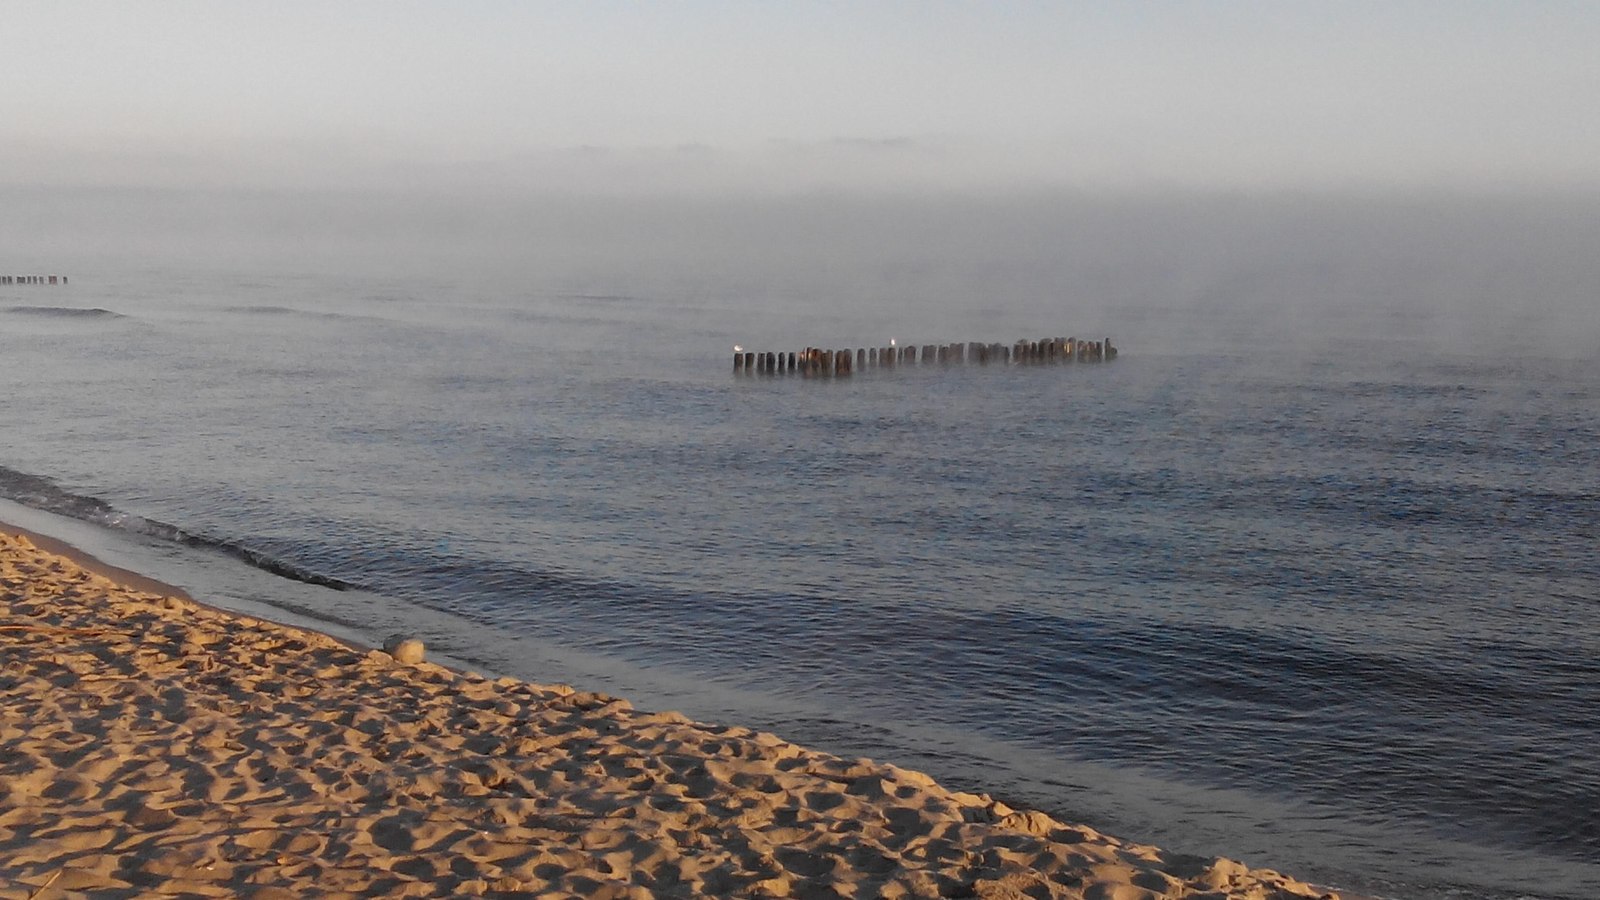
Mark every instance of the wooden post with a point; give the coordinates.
(861, 359)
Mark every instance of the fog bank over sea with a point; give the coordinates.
(1446, 263)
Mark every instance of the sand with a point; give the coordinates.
(154, 746)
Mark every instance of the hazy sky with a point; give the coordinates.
(693, 95)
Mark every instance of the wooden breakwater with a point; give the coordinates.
(33, 279)
(817, 362)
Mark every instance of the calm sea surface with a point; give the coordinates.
(1321, 593)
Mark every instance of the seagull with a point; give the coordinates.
(891, 342)
(737, 348)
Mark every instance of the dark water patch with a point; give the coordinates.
(603, 298)
(290, 312)
(66, 312)
(262, 310)
(44, 494)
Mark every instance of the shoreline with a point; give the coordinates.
(158, 744)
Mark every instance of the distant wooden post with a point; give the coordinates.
(861, 359)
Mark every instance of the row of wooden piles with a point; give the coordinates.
(33, 279)
(813, 361)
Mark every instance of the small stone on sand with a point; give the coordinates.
(404, 649)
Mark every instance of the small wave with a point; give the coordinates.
(268, 310)
(70, 312)
(262, 310)
(42, 493)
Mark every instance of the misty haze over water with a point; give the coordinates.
(1506, 271)
(438, 300)
(1274, 583)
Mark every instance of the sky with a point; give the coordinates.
(700, 96)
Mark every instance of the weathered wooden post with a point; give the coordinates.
(1111, 352)
(861, 359)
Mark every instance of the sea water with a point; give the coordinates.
(1317, 590)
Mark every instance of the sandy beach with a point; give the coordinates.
(154, 746)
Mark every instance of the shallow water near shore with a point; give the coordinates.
(1321, 598)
